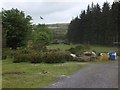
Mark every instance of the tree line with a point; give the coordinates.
(96, 25)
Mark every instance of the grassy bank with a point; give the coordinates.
(62, 47)
(103, 48)
(27, 75)
(97, 48)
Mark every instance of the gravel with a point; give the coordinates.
(92, 76)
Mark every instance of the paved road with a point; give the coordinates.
(92, 76)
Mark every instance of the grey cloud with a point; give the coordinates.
(39, 7)
(52, 12)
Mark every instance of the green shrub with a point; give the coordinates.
(51, 56)
(31, 57)
(72, 50)
(21, 58)
(54, 57)
(21, 55)
(39, 47)
(68, 57)
(23, 51)
(79, 49)
(36, 57)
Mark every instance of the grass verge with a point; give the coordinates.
(97, 48)
(27, 75)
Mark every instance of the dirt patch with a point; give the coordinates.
(13, 73)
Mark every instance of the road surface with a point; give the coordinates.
(92, 76)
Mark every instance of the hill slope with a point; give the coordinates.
(58, 30)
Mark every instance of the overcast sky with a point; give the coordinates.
(53, 11)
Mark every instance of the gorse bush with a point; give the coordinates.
(54, 57)
(79, 49)
(39, 47)
(72, 50)
(68, 57)
(43, 54)
(8, 53)
(33, 57)
(21, 58)
(38, 57)
(23, 51)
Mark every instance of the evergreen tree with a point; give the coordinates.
(96, 25)
(106, 22)
(115, 18)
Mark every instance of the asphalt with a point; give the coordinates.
(92, 76)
